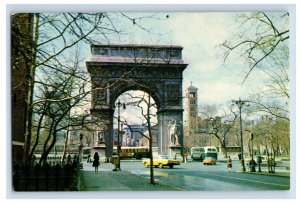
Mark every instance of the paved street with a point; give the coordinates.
(191, 176)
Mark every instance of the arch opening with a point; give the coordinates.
(132, 110)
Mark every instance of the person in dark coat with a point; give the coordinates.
(229, 164)
(96, 161)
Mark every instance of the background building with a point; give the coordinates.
(21, 41)
(197, 129)
(134, 138)
(145, 141)
(191, 110)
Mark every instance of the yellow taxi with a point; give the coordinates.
(161, 161)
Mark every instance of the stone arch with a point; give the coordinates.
(159, 74)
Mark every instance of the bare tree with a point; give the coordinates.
(51, 36)
(262, 40)
(259, 37)
(146, 106)
(220, 127)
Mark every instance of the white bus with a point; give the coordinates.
(199, 153)
(210, 151)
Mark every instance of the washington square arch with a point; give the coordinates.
(156, 70)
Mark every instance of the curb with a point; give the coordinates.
(287, 175)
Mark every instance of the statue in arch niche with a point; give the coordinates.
(100, 135)
(174, 132)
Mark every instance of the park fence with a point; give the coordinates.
(46, 177)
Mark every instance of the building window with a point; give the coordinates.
(173, 54)
(102, 52)
(192, 101)
(192, 94)
(115, 52)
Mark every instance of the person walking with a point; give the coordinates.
(96, 161)
(229, 164)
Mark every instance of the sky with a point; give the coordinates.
(200, 34)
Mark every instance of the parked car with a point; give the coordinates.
(161, 161)
(209, 161)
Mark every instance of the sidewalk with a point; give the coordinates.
(108, 180)
(279, 170)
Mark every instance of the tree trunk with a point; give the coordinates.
(150, 142)
(37, 137)
(65, 148)
(30, 74)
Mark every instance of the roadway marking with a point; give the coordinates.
(254, 181)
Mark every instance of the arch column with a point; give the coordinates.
(102, 141)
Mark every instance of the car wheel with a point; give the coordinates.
(139, 156)
(171, 166)
(161, 165)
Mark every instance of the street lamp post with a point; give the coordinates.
(80, 151)
(119, 105)
(252, 162)
(251, 140)
(251, 146)
(212, 120)
(240, 103)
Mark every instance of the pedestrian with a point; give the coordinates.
(185, 156)
(252, 165)
(96, 161)
(248, 166)
(69, 159)
(229, 164)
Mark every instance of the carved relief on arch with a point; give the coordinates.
(172, 92)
